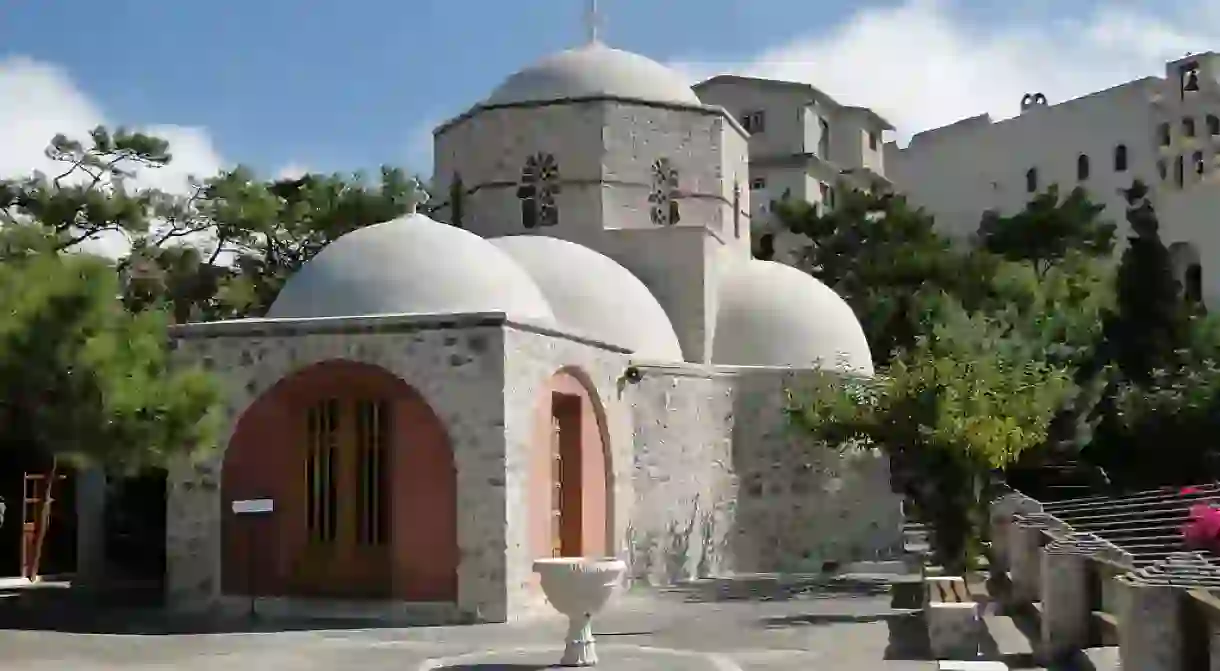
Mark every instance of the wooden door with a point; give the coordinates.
(37, 500)
(346, 499)
(566, 492)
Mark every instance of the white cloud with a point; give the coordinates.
(38, 100)
(291, 171)
(923, 64)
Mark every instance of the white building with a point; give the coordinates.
(802, 144)
(1162, 130)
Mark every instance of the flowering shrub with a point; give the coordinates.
(1202, 529)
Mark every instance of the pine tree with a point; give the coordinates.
(1150, 323)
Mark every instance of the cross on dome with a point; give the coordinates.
(593, 21)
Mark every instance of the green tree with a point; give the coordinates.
(887, 261)
(1049, 229)
(964, 401)
(83, 378)
(221, 249)
(1150, 325)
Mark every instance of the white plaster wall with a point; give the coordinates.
(786, 129)
(959, 171)
(458, 371)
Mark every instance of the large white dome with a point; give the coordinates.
(595, 296)
(595, 70)
(771, 314)
(411, 265)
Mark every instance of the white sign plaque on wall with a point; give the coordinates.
(253, 506)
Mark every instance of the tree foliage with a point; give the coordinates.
(83, 377)
(1049, 229)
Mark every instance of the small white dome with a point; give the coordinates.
(595, 296)
(411, 265)
(771, 314)
(591, 71)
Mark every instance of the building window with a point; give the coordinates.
(1213, 124)
(537, 191)
(823, 138)
(663, 198)
(1082, 167)
(758, 183)
(1120, 158)
(1196, 162)
(766, 247)
(754, 122)
(872, 141)
(736, 209)
(1031, 180)
(828, 196)
(1179, 171)
(1188, 126)
(1163, 135)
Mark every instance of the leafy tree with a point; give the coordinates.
(887, 261)
(1048, 230)
(965, 400)
(220, 250)
(83, 378)
(1151, 323)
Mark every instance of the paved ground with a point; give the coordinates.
(751, 626)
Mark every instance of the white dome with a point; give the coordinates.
(595, 296)
(591, 71)
(411, 265)
(771, 314)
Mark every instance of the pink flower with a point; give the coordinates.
(1202, 529)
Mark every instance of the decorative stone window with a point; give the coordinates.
(457, 192)
(537, 191)
(1082, 167)
(663, 197)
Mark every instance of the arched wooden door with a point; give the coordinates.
(344, 502)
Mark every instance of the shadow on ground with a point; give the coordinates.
(771, 589)
(69, 611)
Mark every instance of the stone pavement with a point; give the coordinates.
(759, 625)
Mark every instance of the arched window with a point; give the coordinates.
(1197, 164)
(537, 190)
(1082, 167)
(1031, 180)
(663, 196)
(1120, 158)
(1192, 289)
(766, 247)
(1213, 124)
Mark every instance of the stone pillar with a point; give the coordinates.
(1001, 512)
(1150, 627)
(1025, 555)
(90, 527)
(1066, 610)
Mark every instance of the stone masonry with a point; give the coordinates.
(705, 476)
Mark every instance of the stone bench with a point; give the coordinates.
(954, 618)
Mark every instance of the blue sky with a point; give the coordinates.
(353, 84)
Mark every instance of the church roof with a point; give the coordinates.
(595, 296)
(594, 70)
(771, 314)
(411, 265)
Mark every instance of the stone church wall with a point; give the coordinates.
(724, 485)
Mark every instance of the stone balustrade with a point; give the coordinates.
(1137, 588)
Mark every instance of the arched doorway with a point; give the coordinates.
(570, 488)
(364, 485)
(1188, 269)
